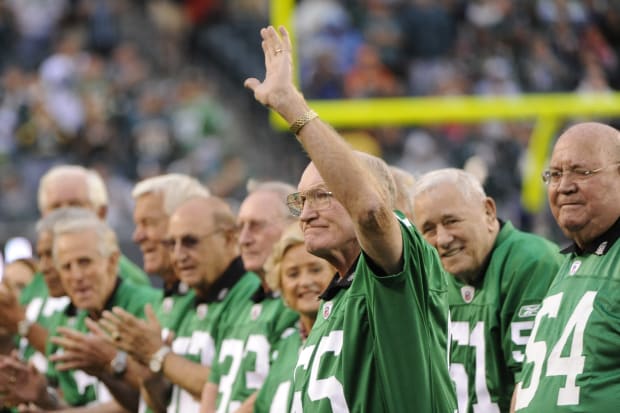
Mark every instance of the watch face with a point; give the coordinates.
(119, 363)
(155, 365)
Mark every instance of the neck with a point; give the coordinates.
(307, 321)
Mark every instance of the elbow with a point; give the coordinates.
(373, 218)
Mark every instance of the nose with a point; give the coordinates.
(307, 212)
(245, 235)
(444, 237)
(138, 235)
(565, 184)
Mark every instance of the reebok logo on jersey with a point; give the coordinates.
(529, 311)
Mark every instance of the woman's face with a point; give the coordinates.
(303, 278)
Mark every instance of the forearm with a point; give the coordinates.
(208, 398)
(37, 337)
(156, 391)
(109, 407)
(186, 374)
(126, 397)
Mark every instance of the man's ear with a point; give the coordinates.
(490, 210)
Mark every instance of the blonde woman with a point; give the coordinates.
(300, 277)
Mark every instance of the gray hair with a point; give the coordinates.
(381, 171)
(97, 192)
(174, 188)
(47, 223)
(107, 243)
(464, 182)
(279, 188)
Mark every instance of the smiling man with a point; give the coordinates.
(572, 359)
(499, 277)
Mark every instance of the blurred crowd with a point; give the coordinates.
(134, 89)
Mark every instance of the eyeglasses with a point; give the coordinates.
(317, 199)
(553, 176)
(187, 241)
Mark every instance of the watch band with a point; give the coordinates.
(23, 327)
(119, 364)
(157, 360)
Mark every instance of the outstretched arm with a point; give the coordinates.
(365, 199)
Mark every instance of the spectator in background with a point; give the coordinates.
(18, 273)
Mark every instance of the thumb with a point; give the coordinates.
(150, 315)
(251, 83)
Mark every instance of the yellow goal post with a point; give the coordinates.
(547, 110)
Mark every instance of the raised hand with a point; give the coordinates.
(140, 338)
(277, 87)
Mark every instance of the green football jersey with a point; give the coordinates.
(275, 393)
(492, 320)
(379, 343)
(170, 311)
(245, 338)
(572, 360)
(195, 337)
(77, 387)
(40, 308)
(131, 272)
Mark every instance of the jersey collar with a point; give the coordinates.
(224, 284)
(600, 245)
(339, 283)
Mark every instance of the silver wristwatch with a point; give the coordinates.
(157, 360)
(119, 364)
(23, 327)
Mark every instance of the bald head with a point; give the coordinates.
(212, 210)
(602, 139)
(586, 205)
(202, 241)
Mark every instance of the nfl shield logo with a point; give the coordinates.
(575, 267)
(327, 309)
(167, 304)
(201, 311)
(467, 292)
(255, 311)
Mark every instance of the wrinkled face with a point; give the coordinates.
(584, 207)
(67, 191)
(459, 227)
(303, 277)
(325, 230)
(260, 222)
(17, 275)
(87, 276)
(196, 248)
(46, 264)
(151, 225)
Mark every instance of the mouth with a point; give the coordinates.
(451, 252)
(82, 293)
(309, 294)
